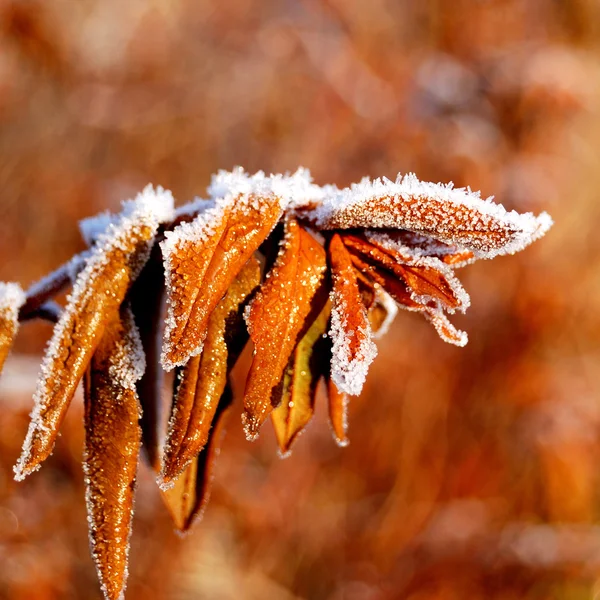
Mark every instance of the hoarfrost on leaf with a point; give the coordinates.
(451, 215)
(113, 263)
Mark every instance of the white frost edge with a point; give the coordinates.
(391, 309)
(128, 363)
(348, 374)
(439, 320)
(12, 297)
(418, 260)
(528, 227)
(293, 190)
(149, 208)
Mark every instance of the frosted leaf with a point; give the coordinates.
(391, 310)
(405, 255)
(293, 191)
(276, 318)
(452, 215)
(112, 445)
(201, 259)
(202, 381)
(128, 361)
(353, 349)
(349, 369)
(422, 246)
(425, 279)
(12, 297)
(445, 329)
(300, 380)
(188, 497)
(113, 263)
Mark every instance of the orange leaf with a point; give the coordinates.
(353, 349)
(452, 216)
(187, 499)
(112, 444)
(300, 381)
(424, 280)
(338, 413)
(424, 246)
(99, 290)
(200, 384)
(201, 260)
(12, 298)
(276, 319)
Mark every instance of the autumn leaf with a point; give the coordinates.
(427, 278)
(422, 246)
(99, 290)
(202, 258)
(112, 444)
(353, 349)
(306, 367)
(276, 319)
(201, 383)
(338, 413)
(442, 212)
(12, 298)
(186, 500)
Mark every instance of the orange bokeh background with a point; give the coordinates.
(471, 473)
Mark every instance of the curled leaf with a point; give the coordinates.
(112, 444)
(201, 383)
(353, 349)
(276, 320)
(186, 500)
(12, 298)
(427, 278)
(115, 261)
(422, 246)
(300, 381)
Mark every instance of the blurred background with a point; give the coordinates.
(471, 473)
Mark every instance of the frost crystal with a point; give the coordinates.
(131, 235)
(12, 297)
(408, 256)
(128, 362)
(391, 310)
(347, 372)
(293, 191)
(451, 215)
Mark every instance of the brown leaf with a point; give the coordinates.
(338, 413)
(276, 320)
(353, 349)
(400, 293)
(12, 298)
(422, 245)
(201, 260)
(98, 292)
(300, 381)
(424, 280)
(200, 384)
(396, 288)
(112, 444)
(187, 499)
